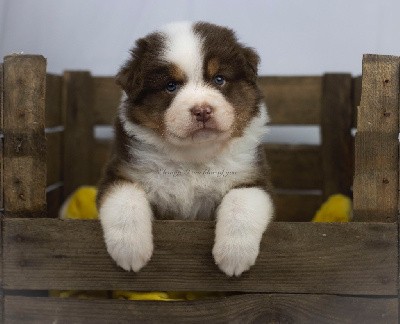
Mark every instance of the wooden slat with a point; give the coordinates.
(54, 157)
(1, 132)
(78, 141)
(1, 188)
(100, 155)
(376, 174)
(337, 144)
(106, 97)
(249, 308)
(353, 258)
(292, 100)
(356, 98)
(24, 139)
(296, 207)
(53, 100)
(294, 166)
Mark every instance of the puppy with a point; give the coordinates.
(187, 146)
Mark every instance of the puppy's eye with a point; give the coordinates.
(219, 80)
(171, 86)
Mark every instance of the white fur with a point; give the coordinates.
(126, 217)
(193, 194)
(184, 48)
(180, 122)
(242, 218)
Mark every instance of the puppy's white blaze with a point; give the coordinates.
(126, 217)
(242, 218)
(184, 48)
(179, 120)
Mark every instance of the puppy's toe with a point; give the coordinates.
(234, 259)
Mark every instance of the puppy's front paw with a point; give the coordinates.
(126, 216)
(234, 257)
(130, 250)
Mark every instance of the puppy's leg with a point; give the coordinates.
(242, 218)
(126, 217)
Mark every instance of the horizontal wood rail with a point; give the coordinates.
(312, 258)
(247, 308)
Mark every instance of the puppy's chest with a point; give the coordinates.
(186, 192)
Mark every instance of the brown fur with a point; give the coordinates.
(144, 77)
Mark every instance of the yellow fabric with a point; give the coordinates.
(82, 204)
(336, 209)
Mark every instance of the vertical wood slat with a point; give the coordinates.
(377, 145)
(24, 136)
(2, 137)
(336, 147)
(1, 196)
(78, 140)
(53, 100)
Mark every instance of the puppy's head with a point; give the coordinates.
(191, 83)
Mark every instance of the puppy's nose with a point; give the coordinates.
(202, 112)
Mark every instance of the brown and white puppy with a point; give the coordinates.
(187, 146)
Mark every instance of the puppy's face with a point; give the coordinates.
(191, 83)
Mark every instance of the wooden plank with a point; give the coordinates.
(352, 258)
(54, 157)
(294, 166)
(24, 139)
(100, 155)
(106, 97)
(357, 81)
(2, 135)
(296, 207)
(1, 191)
(53, 100)
(77, 105)
(376, 175)
(248, 308)
(337, 145)
(292, 100)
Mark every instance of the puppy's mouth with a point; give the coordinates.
(201, 134)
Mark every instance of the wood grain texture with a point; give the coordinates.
(78, 141)
(24, 139)
(2, 134)
(377, 162)
(54, 157)
(248, 308)
(353, 258)
(337, 151)
(53, 100)
(357, 81)
(292, 100)
(296, 207)
(106, 97)
(294, 166)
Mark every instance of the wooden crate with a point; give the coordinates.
(306, 272)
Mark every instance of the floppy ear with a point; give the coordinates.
(252, 59)
(129, 77)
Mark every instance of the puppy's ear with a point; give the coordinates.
(129, 77)
(252, 59)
